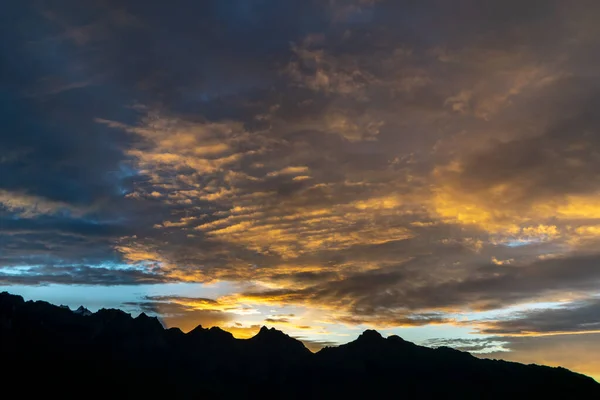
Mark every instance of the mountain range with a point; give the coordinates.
(49, 351)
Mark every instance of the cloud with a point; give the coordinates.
(277, 320)
(576, 317)
(474, 346)
(402, 296)
(78, 275)
(548, 176)
(297, 171)
(29, 206)
(374, 162)
(316, 70)
(494, 286)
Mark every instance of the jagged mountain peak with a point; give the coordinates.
(197, 329)
(214, 333)
(370, 335)
(270, 332)
(81, 310)
(276, 343)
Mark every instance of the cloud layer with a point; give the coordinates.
(382, 163)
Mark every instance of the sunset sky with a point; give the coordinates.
(429, 169)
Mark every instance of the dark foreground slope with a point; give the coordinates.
(47, 351)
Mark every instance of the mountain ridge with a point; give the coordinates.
(134, 354)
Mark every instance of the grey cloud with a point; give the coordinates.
(152, 300)
(379, 317)
(277, 320)
(573, 317)
(402, 294)
(51, 248)
(494, 286)
(562, 161)
(79, 275)
(305, 277)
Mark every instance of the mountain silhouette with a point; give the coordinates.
(49, 351)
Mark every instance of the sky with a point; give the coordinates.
(428, 168)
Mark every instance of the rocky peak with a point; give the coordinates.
(83, 311)
(371, 336)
